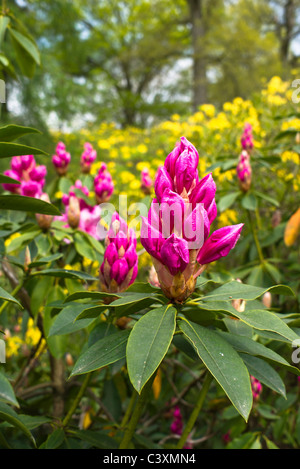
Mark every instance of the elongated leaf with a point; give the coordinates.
(126, 299)
(27, 204)
(9, 415)
(11, 132)
(6, 391)
(64, 321)
(28, 45)
(95, 439)
(264, 373)
(7, 150)
(228, 200)
(4, 22)
(102, 353)
(6, 179)
(91, 312)
(235, 290)
(224, 363)
(148, 343)
(66, 273)
(93, 295)
(4, 295)
(246, 345)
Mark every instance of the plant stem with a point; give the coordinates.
(77, 399)
(194, 415)
(137, 412)
(255, 237)
(129, 409)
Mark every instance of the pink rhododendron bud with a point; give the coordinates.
(14, 188)
(87, 158)
(176, 231)
(153, 278)
(146, 181)
(247, 138)
(73, 212)
(120, 266)
(256, 387)
(30, 188)
(103, 185)
(44, 221)
(61, 159)
(244, 171)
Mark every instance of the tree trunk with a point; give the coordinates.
(199, 60)
(288, 30)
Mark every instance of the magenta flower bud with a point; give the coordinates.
(87, 158)
(162, 182)
(120, 266)
(146, 181)
(247, 138)
(219, 244)
(89, 220)
(14, 188)
(30, 189)
(175, 254)
(103, 185)
(23, 163)
(38, 173)
(61, 159)
(204, 192)
(244, 171)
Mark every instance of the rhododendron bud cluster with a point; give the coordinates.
(146, 181)
(256, 387)
(120, 266)
(31, 176)
(103, 185)
(61, 159)
(87, 158)
(176, 231)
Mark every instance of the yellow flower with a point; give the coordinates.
(11, 238)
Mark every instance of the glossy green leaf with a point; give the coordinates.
(27, 204)
(9, 415)
(224, 363)
(105, 351)
(64, 322)
(8, 149)
(235, 290)
(7, 180)
(6, 391)
(93, 295)
(228, 200)
(151, 336)
(66, 273)
(28, 45)
(264, 373)
(4, 295)
(11, 132)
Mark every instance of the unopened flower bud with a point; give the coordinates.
(44, 221)
(267, 300)
(73, 212)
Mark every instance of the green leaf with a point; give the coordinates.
(4, 22)
(64, 321)
(264, 373)
(7, 150)
(28, 45)
(93, 295)
(235, 290)
(267, 198)
(4, 295)
(104, 352)
(228, 200)
(249, 202)
(27, 204)
(151, 336)
(9, 415)
(126, 299)
(45, 260)
(95, 439)
(6, 391)
(224, 363)
(66, 273)
(12, 132)
(7, 180)
(246, 345)
(91, 312)
(54, 440)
